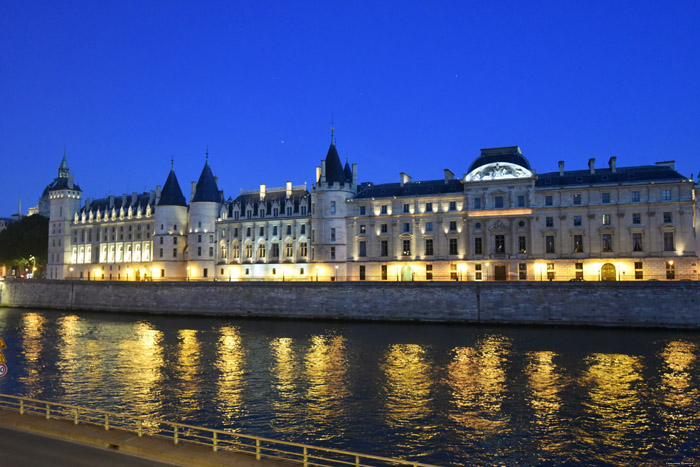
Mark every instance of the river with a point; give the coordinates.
(437, 393)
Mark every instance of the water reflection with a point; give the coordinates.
(140, 369)
(546, 383)
(477, 379)
(188, 353)
(231, 358)
(284, 373)
(32, 345)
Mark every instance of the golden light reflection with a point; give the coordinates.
(142, 373)
(284, 372)
(32, 332)
(615, 387)
(545, 385)
(187, 366)
(678, 393)
(477, 379)
(231, 358)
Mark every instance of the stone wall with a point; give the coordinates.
(661, 304)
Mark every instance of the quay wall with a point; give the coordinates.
(636, 304)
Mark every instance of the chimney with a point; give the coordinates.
(405, 178)
(87, 204)
(262, 192)
(111, 201)
(318, 174)
(193, 188)
(70, 181)
(323, 172)
(670, 164)
(123, 200)
(151, 197)
(591, 165)
(289, 189)
(133, 198)
(158, 188)
(561, 168)
(449, 175)
(354, 174)
(613, 164)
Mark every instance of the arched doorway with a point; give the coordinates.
(608, 273)
(406, 273)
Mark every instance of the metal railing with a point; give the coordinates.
(217, 440)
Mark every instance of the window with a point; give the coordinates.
(236, 253)
(636, 218)
(160, 253)
(607, 242)
(477, 203)
(550, 271)
(363, 249)
(199, 251)
(384, 228)
(453, 205)
(174, 252)
(274, 231)
(577, 199)
(453, 246)
(384, 209)
(578, 243)
(428, 272)
(332, 234)
(384, 272)
(453, 226)
(549, 221)
(289, 229)
(262, 232)
(499, 243)
(211, 251)
(406, 227)
(637, 242)
(549, 244)
(199, 225)
(288, 250)
(384, 250)
(332, 252)
(522, 245)
(303, 229)
(666, 195)
(363, 229)
(668, 241)
(428, 207)
(406, 208)
(205, 272)
(521, 201)
(174, 240)
(667, 218)
(477, 272)
(303, 211)
(577, 221)
(429, 247)
(670, 270)
(275, 250)
(453, 272)
(332, 207)
(235, 232)
(363, 210)
(635, 197)
(249, 251)
(522, 271)
(498, 202)
(428, 226)
(578, 268)
(406, 251)
(261, 251)
(606, 219)
(605, 198)
(302, 249)
(199, 239)
(639, 270)
(247, 232)
(478, 247)
(362, 273)
(161, 240)
(548, 200)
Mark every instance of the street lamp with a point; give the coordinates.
(188, 273)
(336, 273)
(316, 273)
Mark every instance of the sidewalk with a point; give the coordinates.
(155, 449)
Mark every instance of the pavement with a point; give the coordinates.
(31, 440)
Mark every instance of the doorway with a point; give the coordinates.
(406, 273)
(608, 273)
(499, 273)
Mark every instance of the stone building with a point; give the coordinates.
(500, 221)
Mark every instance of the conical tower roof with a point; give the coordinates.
(348, 171)
(172, 194)
(334, 168)
(206, 189)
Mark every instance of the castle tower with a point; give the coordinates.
(205, 207)
(170, 239)
(334, 185)
(64, 199)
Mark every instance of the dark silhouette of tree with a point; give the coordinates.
(24, 245)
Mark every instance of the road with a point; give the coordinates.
(23, 449)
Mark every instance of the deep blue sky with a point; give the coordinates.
(414, 86)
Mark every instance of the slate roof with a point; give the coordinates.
(102, 204)
(171, 195)
(300, 196)
(334, 168)
(509, 154)
(348, 171)
(206, 189)
(60, 183)
(642, 173)
(424, 188)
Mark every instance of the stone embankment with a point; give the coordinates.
(635, 304)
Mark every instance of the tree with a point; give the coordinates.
(25, 244)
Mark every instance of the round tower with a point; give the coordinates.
(170, 239)
(205, 207)
(64, 202)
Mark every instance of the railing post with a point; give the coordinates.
(47, 411)
(175, 434)
(106, 422)
(357, 461)
(257, 448)
(306, 457)
(140, 427)
(75, 416)
(21, 406)
(215, 446)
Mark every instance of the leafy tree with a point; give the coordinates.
(25, 244)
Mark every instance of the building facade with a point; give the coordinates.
(500, 221)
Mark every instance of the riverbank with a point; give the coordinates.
(634, 304)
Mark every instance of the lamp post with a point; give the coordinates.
(188, 273)
(336, 273)
(316, 273)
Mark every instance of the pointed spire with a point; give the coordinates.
(172, 162)
(347, 170)
(206, 189)
(207, 154)
(332, 129)
(63, 170)
(171, 195)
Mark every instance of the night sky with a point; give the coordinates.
(413, 86)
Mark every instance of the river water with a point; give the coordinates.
(443, 394)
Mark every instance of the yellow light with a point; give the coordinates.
(671, 262)
(500, 213)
